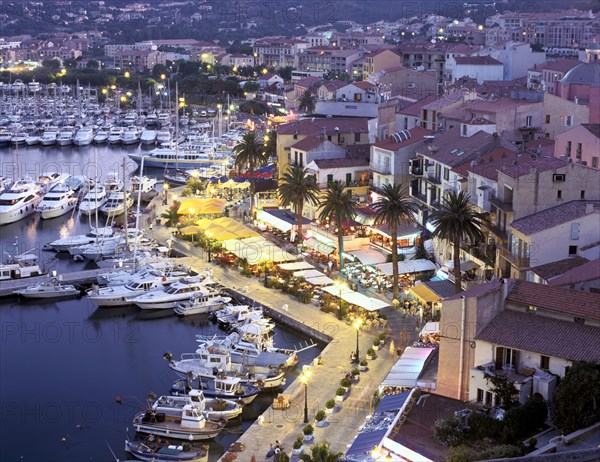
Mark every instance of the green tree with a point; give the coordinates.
(70, 63)
(394, 206)
(337, 205)
(297, 187)
(307, 102)
(321, 452)
(251, 87)
(158, 70)
(250, 155)
(271, 144)
(92, 64)
(51, 64)
(504, 388)
(577, 398)
(456, 222)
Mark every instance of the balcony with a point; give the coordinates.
(519, 262)
(432, 178)
(523, 381)
(381, 169)
(417, 170)
(505, 206)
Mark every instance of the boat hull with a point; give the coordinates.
(191, 455)
(48, 295)
(173, 430)
(47, 213)
(16, 215)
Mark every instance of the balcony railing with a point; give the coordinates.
(381, 169)
(519, 262)
(505, 206)
(432, 178)
(416, 171)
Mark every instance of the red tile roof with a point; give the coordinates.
(544, 335)
(416, 135)
(556, 268)
(477, 60)
(415, 108)
(364, 85)
(308, 143)
(525, 165)
(316, 126)
(478, 290)
(488, 164)
(562, 301)
(561, 65)
(555, 216)
(589, 271)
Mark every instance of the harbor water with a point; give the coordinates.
(72, 376)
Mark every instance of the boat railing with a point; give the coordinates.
(188, 356)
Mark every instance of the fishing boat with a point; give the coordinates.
(206, 301)
(189, 424)
(152, 450)
(170, 297)
(215, 409)
(58, 201)
(64, 244)
(220, 387)
(48, 289)
(19, 201)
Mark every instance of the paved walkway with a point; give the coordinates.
(285, 426)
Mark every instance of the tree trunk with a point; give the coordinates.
(299, 212)
(251, 178)
(456, 257)
(394, 230)
(340, 242)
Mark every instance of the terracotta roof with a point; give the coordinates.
(498, 105)
(416, 135)
(446, 100)
(316, 126)
(488, 164)
(594, 129)
(561, 65)
(381, 50)
(545, 145)
(333, 85)
(308, 143)
(554, 216)
(477, 60)
(556, 268)
(589, 271)
(364, 85)
(563, 301)
(415, 108)
(544, 335)
(308, 82)
(478, 290)
(341, 163)
(525, 165)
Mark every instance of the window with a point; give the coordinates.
(569, 121)
(544, 362)
(330, 178)
(572, 250)
(579, 150)
(582, 195)
(528, 121)
(558, 177)
(357, 137)
(574, 231)
(479, 395)
(446, 174)
(569, 148)
(595, 162)
(547, 118)
(488, 398)
(464, 130)
(348, 179)
(559, 194)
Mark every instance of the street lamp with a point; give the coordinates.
(209, 237)
(357, 325)
(304, 379)
(340, 285)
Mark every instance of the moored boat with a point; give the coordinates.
(48, 289)
(152, 450)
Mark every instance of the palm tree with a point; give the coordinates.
(393, 207)
(307, 102)
(321, 452)
(457, 221)
(171, 214)
(339, 206)
(296, 188)
(250, 155)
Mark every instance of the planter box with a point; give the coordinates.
(339, 399)
(362, 368)
(319, 423)
(370, 357)
(329, 411)
(308, 438)
(298, 451)
(376, 348)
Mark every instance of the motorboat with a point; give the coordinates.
(115, 135)
(170, 297)
(5, 183)
(19, 201)
(102, 136)
(76, 183)
(177, 176)
(167, 269)
(50, 179)
(84, 136)
(5, 138)
(225, 387)
(151, 450)
(93, 199)
(206, 301)
(130, 136)
(174, 158)
(58, 201)
(112, 183)
(119, 295)
(236, 313)
(215, 409)
(143, 187)
(151, 120)
(163, 136)
(130, 118)
(20, 266)
(64, 244)
(48, 289)
(164, 119)
(188, 424)
(33, 140)
(18, 139)
(49, 136)
(65, 136)
(106, 247)
(148, 136)
(116, 203)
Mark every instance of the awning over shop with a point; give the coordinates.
(283, 220)
(424, 294)
(296, 266)
(309, 273)
(407, 369)
(364, 442)
(319, 246)
(369, 256)
(408, 266)
(465, 265)
(368, 303)
(321, 281)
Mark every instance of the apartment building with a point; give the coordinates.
(378, 60)
(425, 56)
(481, 68)
(405, 82)
(328, 59)
(356, 39)
(543, 77)
(278, 51)
(580, 144)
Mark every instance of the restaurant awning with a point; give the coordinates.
(190, 230)
(283, 220)
(408, 266)
(368, 303)
(424, 294)
(319, 246)
(309, 273)
(257, 249)
(296, 266)
(407, 369)
(335, 290)
(320, 281)
(369, 256)
(465, 265)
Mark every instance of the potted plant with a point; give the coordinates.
(320, 418)
(376, 344)
(330, 407)
(363, 365)
(382, 338)
(355, 374)
(308, 431)
(298, 446)
(339, 394)
(345, 383)
(370, 354)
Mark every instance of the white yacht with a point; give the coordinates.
(206, 301)
(163, 136)
(19, 139)
(5, 138)
(169, 298)
(84, 136)
(144, 187)
(151, 120)
(58, 201)
(48, 289)
(64, 244)
(130, 118)
(32, 140)
(148, 136)
(65, 137)
(50, 136)
(115, 135)
(169, 272)
(93, 199)
(19, 201)
(102, 136)
(112, 183)
(5, 183)
(115, 205)
(130, 136)
(164, 118)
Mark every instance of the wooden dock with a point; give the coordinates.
(86, 277)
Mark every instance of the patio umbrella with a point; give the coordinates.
(204, 223)
(192, 229)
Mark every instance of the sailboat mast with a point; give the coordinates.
(125, 203)
(177, 126)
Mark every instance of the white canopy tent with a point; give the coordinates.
(335, 290)
(369, 256)
(309, 273)
(274, 221)
(409, 266)
(368, 303)
(321, 281)
(407, 369)
(296, 266)
(319, 246)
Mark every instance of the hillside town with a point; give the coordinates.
(409, 208)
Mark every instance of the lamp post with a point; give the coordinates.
(357, 325)
(209, 237)
(340, 286)
(304, 379)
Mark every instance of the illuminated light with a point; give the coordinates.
(441, 30)
(113, 87)
(480, 27)
(163, 76)
(104, 91)
(123, 99)
(129, 93)
(127, 74)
